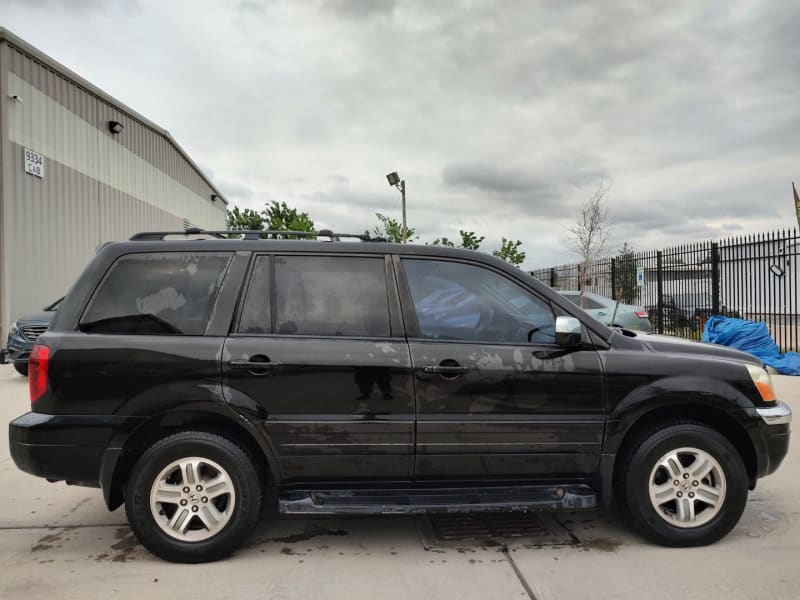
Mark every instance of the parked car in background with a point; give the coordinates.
(602, 309)
(690, 310)
(24, 333)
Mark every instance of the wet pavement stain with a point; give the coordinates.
(48, 541)
(126, 545)
(601, 544)
(310, 532)
(76, 507)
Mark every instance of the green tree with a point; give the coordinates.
(391, 229)
(509, 252)
(625, 275)
(245, 220)
(469, 241)
(280, 217)
(276, 216)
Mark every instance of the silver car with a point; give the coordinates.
(602, 309)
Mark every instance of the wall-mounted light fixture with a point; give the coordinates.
(115, 126)
(214, 197)
(16, 98)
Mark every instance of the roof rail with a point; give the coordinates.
(252, 234)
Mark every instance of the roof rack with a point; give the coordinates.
(252, 234)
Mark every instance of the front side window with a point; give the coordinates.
(157, 293)
(457, 301)
(331, 296)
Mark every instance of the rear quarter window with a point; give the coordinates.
(161, 293)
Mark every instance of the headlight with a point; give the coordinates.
(763, 382)
(13, 330)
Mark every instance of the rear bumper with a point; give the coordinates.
(64, 447)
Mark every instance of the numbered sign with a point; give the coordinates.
(34, 163)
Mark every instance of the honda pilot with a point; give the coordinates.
(187, 377)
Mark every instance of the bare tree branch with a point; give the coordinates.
(589, 234)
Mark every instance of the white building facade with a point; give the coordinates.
(77, 169)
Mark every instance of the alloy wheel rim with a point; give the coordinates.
(192, 499)
(687, 487)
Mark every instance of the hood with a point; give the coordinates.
(666, 343)
(42, 318)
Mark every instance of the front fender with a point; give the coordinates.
(668, 393)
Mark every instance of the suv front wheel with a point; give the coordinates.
(193, 497)
(685, 485)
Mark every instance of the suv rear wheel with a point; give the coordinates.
(684, 485)
(193, 497)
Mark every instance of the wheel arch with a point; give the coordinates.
(690, 410)
(120, 457)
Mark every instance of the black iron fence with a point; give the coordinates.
(755, 277)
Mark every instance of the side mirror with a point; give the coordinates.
(568, 331)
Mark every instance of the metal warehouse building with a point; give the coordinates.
(78, 168)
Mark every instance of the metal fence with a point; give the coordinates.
(755, 277)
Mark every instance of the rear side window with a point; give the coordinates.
(157, 293)
(256, 310)
(330, 296)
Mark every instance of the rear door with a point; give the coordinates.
(496, 396)
(319, 348)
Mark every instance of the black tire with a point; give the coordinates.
(22, 368)
(639, 464)
(242, 472)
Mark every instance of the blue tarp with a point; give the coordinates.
(753, 338)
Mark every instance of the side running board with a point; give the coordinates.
(428, 500)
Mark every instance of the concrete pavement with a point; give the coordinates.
(60, 542)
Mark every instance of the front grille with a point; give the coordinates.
(32, 332)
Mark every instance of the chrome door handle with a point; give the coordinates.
(445, 369)
(254, 365)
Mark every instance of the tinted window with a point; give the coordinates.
(331, 296)
(158, 293)
(456, 301)
(587, 302)
(255, 312)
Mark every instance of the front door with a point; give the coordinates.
(496, 396)
(318, 350)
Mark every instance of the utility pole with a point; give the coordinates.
(403, 193)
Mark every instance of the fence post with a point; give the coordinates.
(613, 279)
(660, 280)
(552, 277)
(714, 278)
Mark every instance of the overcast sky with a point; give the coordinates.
(503, 117)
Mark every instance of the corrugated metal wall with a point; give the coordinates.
(97, 187)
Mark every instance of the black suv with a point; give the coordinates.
(185, 377)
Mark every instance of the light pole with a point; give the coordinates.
(395, 181)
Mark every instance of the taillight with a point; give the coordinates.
(642, 314)
(37, 371)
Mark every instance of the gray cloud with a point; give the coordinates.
(489, 178)
(360, 8)
(501, 121)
